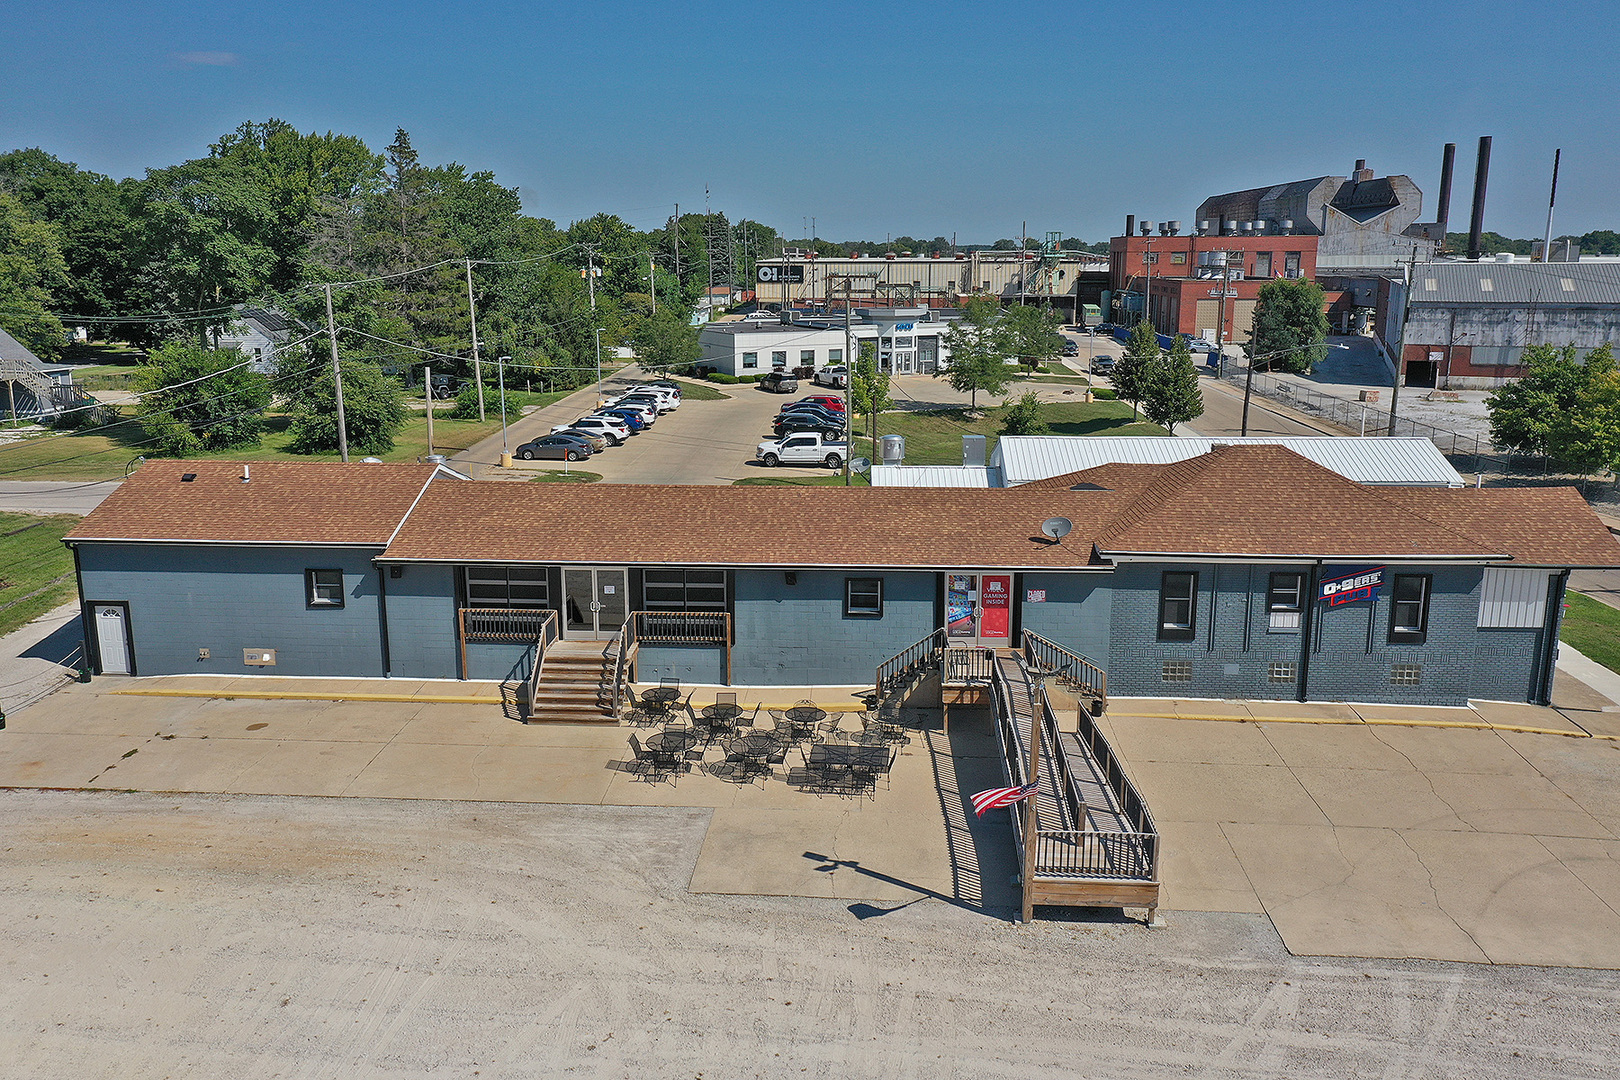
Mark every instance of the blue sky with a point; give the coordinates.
(891, 118)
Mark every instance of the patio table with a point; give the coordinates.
(673, 740)
(722, 710)
(752, 752)
(661, 695)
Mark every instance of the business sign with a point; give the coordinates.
(791, 274)
(1349, 585)
(904, 327)
(1035, 596)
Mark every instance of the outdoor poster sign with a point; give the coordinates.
(959, 605)
(995, 620)
(1349, 584)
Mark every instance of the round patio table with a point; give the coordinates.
(722, 711)
(752, 751)
(673, 740)
(661, 695)
(806, 714)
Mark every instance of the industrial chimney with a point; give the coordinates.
(1443, 207)
(1130, 224)
(1476, 222)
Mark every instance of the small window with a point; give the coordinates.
(323, 588)
(835, 356)
(1178, 258)
(1262, 264)
(863, 596)
(779, 359)
(1175, 671)
(1282, 672)
(1178, 591)
(750, 359)
(1283, 601)
(1406, 674)
(807, 357)
(1409, 609)
(1291, 264)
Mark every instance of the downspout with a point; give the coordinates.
(1311, 613)
(382, 620)
(1549, 652)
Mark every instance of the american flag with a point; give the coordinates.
(998, 797)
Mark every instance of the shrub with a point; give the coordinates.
(724, 380)
(466, 403)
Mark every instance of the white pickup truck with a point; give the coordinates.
(803, 448)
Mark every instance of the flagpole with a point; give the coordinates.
(1031, 807)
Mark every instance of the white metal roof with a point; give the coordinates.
(1402, 462)
(934, 476)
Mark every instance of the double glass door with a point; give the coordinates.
(978, 608)
(595, 602)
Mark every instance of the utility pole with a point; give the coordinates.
(1220, 316)
(1400, 356)
(478, 370)
(590, 273)
(500, 375)
(337, 381)
(1023, 261)
(427, 382)
(849, 380)
(598, 366)
(652, 282)
(677, 242)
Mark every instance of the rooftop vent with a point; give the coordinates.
(1172, 228)
(246, 476)
(1147, 228)
(186, 478)
(1203, 227)
(1287, 226)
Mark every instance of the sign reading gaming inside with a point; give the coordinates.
(1349, 585)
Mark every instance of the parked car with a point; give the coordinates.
(665, 395)
(803, 448)
(811, 412)
(559, 447)
(826, 401)
(1103, 365)
(667, 384)
(662, 402)
(596, 442)
(778, 382)
(835, 377)
(614, 431)
(446, 386)
(645, 409)
(635, 419)
(1199, 344)
(1071, 348)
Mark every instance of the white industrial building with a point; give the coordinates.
(909, 341)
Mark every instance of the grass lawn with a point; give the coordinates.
(935, 437)
(572, 476)
(1593, 628)
(832, 479)
(694, 391)
(103, 455)
(36, 571)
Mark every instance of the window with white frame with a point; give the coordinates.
(750, 360)
(323, 588)
(863, 597)
(807, 358)
(1285, 601)
(835, 356)
(1512, 599)
(779, 359)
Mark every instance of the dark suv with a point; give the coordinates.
(779, 382)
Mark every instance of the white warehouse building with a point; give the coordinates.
(909, 341)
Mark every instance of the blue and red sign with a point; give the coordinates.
(1349, 585)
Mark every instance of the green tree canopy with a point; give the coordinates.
(1171, 395)
(31, 270)
(979, 345)
(1033, 332)
(196, 400)
(373, 412)
(1289, 319)
(1023, 417)
(1565, 407)
(1133, 372)
(666, 342)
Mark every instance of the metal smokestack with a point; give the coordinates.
(1130, 224)
(1546, 247)
(1476, 223)
(1443, 208)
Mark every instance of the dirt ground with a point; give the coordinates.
(214, 936)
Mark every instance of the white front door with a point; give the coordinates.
(112, 639)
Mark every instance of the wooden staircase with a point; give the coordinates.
(575, 685)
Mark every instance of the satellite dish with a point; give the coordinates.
(860, 466)
(1057, 528)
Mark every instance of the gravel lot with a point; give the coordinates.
(209, 936)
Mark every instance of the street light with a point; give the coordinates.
(500, 371)
(1248, 378)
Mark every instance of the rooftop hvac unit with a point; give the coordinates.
(892, 449)
(1172, 228)
(1212, 258)
(1260, 228)
(1504, 256)
(973, 451)
(1203, 227)
(888, 254)
(1287, 226)
(1231, 228)
(1246, 227)
(961, 256)
(1147, 228)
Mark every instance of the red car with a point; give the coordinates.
(826, 401)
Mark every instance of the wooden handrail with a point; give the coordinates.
(547, 637)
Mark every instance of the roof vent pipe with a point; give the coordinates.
(1203, 227)
(246, 476)
(1288, 226)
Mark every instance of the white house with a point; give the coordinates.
(259, 333)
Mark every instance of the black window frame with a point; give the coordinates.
(1273, 607)
(873, 585)
(1178, 631)
(313, 599)
(1405, 635)
(480, 582)
(658, 587)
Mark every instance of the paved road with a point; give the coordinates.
(1223, 415)
(53, 496)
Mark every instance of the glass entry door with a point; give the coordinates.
(595, 603)
(978, 609)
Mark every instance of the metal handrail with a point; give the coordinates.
(1092, 854)
(548, 636)
(1078, 672)
(928, 650)
(968, 663)
(489, 625)
(683, 627)
(626, 645)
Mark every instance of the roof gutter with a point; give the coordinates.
(919, 567)
(1213, 556)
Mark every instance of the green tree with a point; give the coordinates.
(665, 342)
(1133, 372)
(196, 400)
(373, 412)
(1289, 319)
(1033, 331)
(1563, 407)
(1171, 395)
(1023, 417)
(869, 387)
(979, 344)
(31, 270)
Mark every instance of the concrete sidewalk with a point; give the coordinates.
(41, 657)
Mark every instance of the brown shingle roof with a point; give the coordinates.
(749, 526)
(1545, 526)
(283, 503)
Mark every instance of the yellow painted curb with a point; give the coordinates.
(279, 695)
(1476, 725)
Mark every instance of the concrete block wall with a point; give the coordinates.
(1075, 613)
(422, 623)
(688, 663)
(184, 598)
(799, 635)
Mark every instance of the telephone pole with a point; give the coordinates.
(652, 282)
(337, 380)
(1400, 357)
(478, 371)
